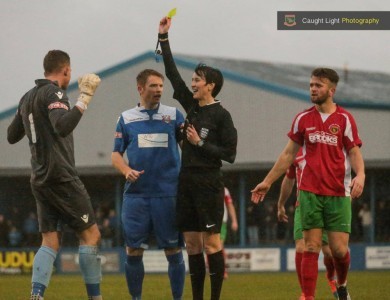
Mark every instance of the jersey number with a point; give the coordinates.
(32, 128)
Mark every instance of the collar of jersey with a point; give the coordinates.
(143, 109)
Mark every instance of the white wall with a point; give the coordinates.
(261, 118)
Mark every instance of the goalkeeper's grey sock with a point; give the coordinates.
(90, 268)
(42, 269)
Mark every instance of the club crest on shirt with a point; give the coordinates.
(334, 128)
(166, 119)
(204, 132)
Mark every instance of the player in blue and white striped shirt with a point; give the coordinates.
(149, 133)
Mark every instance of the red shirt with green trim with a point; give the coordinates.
(326, 140)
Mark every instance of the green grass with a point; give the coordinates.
(247, 286)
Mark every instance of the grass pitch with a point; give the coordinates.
(243, 286)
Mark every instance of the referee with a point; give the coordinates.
(209, 138)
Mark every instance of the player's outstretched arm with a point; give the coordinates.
(258, 193)
(182, 93)
(286, 158)
(87, 85)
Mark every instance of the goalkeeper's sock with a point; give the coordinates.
(176, 273)
(217, 270)
(135, 272)
(342, 266)
(197, 268)
(42, 269)
(90, 267)
(298, 267)
(309, 273)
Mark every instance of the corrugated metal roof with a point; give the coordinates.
(355, 89)
(361, 89)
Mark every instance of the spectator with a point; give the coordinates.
(104, 228)
(252, 225)
(14, 236)
(4, 229)
(106, 233)
(366, 220)
(271, 222)
(113, 224)
(30, 230)
(382, 221)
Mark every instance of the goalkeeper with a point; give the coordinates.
(45, 116)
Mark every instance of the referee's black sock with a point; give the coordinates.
(217, 269)
(197, 274)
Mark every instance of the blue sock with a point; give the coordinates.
(42, 269)
(176, 273)
(135, 273)
(90, 268)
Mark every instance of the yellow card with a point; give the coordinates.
(171, 13)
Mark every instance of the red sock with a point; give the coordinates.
(342, 266)
(309, 273)
(298, 267)
(330, 271)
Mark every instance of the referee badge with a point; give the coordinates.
(204, 132)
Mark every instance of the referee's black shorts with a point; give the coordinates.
(200, 201)
(66, 202)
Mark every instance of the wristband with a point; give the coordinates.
(81, 105)
(162, 37)
(200, 143)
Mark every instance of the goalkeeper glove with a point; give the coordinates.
(87, 86)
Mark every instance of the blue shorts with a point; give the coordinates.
(143, 216)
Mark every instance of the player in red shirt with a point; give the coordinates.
(229, 212)
(330, 143)
(294, 174)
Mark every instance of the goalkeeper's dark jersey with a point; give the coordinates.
(45, 116)
(212, 122)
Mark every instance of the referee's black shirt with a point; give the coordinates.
(213, 123)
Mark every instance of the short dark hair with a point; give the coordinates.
(326, 73)
(210, 75)
(54, 61)
(143, 76)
